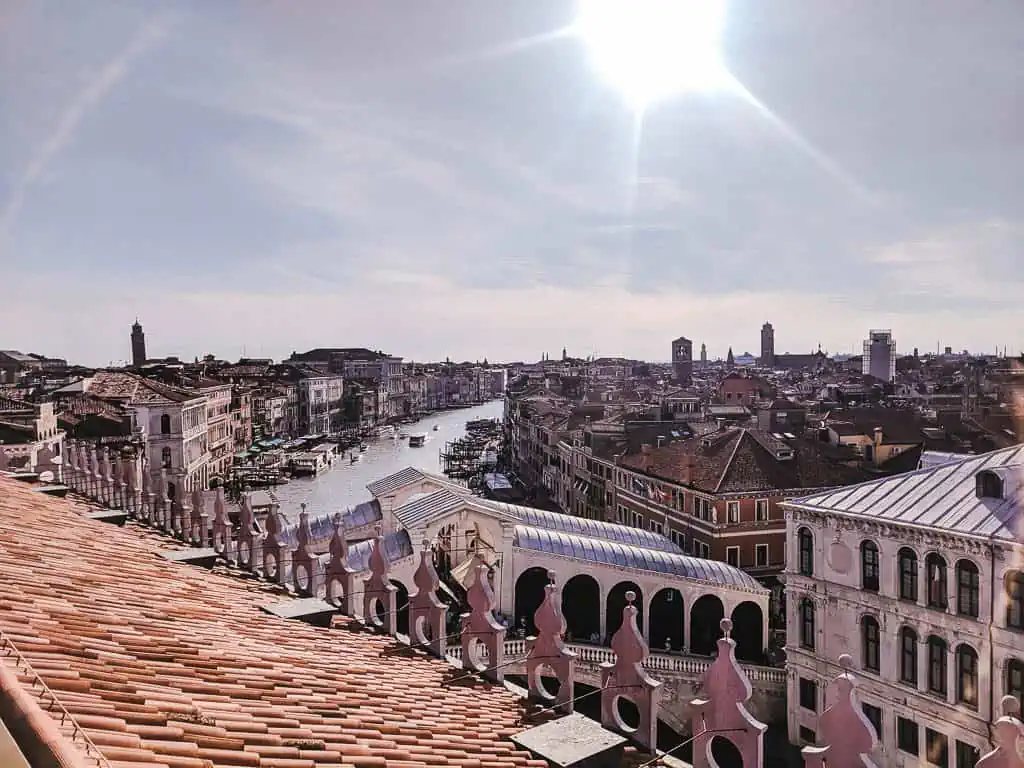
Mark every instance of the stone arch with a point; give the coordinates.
(705, 615)
(529, 595)
(616, 602)
(667, 620)
(401, 606)
(748, 631)
(722, 753)
(581, 607)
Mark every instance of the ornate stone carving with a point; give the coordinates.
(274, 556)
(198, 523)
(847, 733)
(339, 575)
(221, 526)
(146, 494)
(1008, 733)
(723, 712)
(480, 627)
(426, 611)
(303, 562)
(247, 538)
(547, 650)
(627, 678)
(182, 513)
(378, 590)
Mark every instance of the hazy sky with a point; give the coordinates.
(408, 176)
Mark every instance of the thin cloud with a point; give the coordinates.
(80, 106)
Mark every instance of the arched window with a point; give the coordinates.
(869, 566)
(967, 589)
(807, 624)
(1015, 679)
(870, 640)
(988, 485)
(935, 570)
(165, 425)
(1015, 599)
(967, 676)
(907, 561)
(165, 458)
(806, 547)
(937, 652)
(908, 656)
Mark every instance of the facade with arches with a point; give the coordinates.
(681, 599)
(920, 578)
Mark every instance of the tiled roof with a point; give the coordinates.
(169, 665)
(941, 497)
(744, 461)
(136, 390)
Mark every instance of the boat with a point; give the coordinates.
(362, 448)
(403, 435)
(354, 458)
(308, 463)
(437, 427)
(417, 440)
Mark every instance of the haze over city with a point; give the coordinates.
(461, 179)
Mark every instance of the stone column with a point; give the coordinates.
(951, 674)
(922, 663)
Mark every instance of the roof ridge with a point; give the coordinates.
(732, 457)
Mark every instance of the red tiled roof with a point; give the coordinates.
(745, 461)
(131, 388)
(170, 665)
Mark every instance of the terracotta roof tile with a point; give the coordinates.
(163, 664)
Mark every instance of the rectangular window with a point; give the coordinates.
(874, 716)
(808, 694)
(967, 755)
(639, 521)
(761, 510)
(907, 735)
(807, 736)
(761, 555)
(936, 748)
(732, 556)
(733, 511)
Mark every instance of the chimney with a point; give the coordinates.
(645, 449)
(687, 469)
(661, 440)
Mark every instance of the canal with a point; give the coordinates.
(344, 484)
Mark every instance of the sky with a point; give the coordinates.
(455, 178)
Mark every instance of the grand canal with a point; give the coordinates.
(344, 484)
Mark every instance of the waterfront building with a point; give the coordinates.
(920, 578)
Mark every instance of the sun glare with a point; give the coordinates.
(649, 50)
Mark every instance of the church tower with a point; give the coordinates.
(138, 345)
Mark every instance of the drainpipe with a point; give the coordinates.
(992, 717)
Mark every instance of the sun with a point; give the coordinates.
(650, 50)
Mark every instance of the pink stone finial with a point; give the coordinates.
(304, 565)
(722, 710)
(221, 526)
(628, 679)
(1008, 731)
(339, 576)
(274, 553)
(846, 732)
(547, 649)
(245, 547)
(427, 613)
(378, 591)
(479, 626)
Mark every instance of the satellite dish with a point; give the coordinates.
(58, 460)
(46, 477)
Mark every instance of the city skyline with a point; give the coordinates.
(465, 183)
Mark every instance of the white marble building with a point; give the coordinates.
(920, 578)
